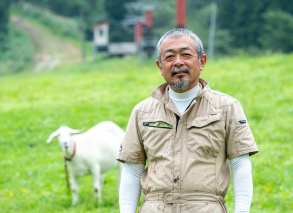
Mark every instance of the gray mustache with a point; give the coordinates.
(176, 70)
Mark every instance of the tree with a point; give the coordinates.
(116, 9)
(278, 28)
(116, 12)
(245, 20)
(4, 19)
(91, 11)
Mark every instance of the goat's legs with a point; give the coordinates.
(97, 178)
(74, 186)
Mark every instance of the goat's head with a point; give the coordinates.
(63, 135)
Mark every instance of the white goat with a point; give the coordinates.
(93, 152)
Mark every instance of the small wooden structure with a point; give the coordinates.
(101, 42)
(101, 36)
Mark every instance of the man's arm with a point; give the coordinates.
(242, 183)
(130, 187)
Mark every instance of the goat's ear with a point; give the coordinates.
(75, 131)
(53, 135)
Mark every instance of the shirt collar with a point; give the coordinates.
(184, 96)
(161, 92)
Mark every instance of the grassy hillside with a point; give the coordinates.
(18, 53)
(63, 27)
(33, 105)
(38, 40)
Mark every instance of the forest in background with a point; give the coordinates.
(242, 26)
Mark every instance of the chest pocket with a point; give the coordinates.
(206, 134)
(157, 137)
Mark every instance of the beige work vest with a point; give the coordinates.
(188, 168)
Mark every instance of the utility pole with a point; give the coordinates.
(83, 43)
(212, 30)
(138, 39)
(149, 24)
(181, 13)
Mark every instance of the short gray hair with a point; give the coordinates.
(176, 33)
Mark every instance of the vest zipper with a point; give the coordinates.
(177, 121)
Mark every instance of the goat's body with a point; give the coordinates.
(95, 153)
(99, 145)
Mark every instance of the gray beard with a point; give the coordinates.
(180, 85)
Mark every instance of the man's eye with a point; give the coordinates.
(186, 54)
(169, 57)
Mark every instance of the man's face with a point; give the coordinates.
(180, 66)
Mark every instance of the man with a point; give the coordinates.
(190, 135)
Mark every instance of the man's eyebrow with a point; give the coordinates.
(181, 49)
(185, 48)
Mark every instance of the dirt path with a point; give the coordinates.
(50, 50)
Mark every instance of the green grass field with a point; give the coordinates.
(33, 105)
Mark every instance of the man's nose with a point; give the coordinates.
(178, 61)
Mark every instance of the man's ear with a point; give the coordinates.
(160, 67)
(203, 61)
